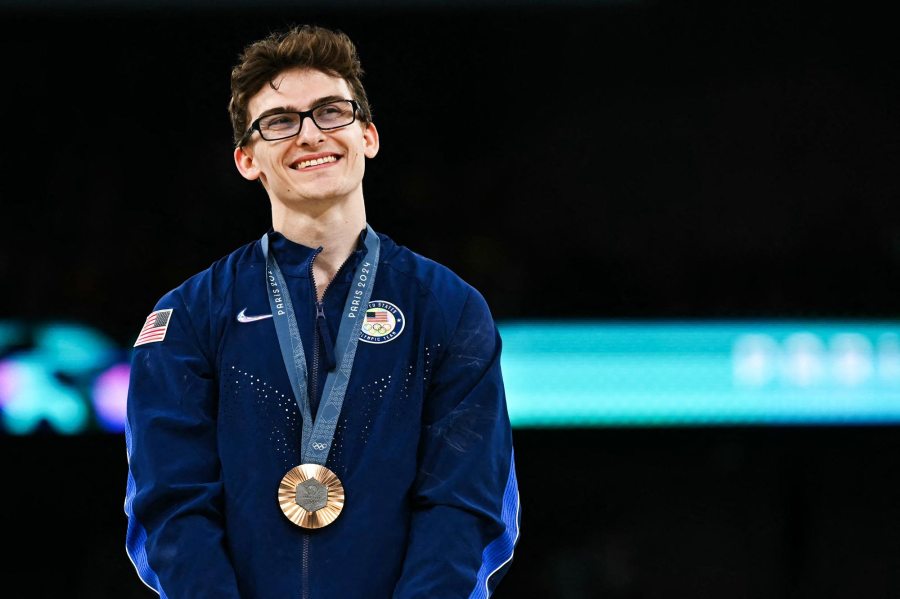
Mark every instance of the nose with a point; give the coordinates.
(309, 133)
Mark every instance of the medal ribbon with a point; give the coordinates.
(319, 434)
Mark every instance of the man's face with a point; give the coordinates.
(283, 166)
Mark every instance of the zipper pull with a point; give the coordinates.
(322, 326)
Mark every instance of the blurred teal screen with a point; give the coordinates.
(69, 378)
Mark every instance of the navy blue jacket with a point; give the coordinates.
(423, 447)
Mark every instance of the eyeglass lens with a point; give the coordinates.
(288, 124)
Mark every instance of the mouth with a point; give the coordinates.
(315, 162)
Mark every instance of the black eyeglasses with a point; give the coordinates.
(328, 116)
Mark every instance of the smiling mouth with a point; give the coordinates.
(307, 164)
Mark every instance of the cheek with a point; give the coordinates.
(359, 159)
(359, 166)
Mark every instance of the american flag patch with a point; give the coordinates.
(376, 316)
(155, 327)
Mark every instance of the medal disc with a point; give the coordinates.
(311, 496)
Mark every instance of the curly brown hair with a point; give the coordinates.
(306, 47)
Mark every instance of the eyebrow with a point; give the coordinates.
(292, 108)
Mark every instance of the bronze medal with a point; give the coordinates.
(311, 496)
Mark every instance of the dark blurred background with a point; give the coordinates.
(603, 160)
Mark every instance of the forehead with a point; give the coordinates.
(297, 89)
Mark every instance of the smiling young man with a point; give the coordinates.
(321, 412)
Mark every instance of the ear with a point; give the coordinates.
(370, 140)
(245, 164)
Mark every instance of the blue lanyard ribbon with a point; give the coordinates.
(319, 434)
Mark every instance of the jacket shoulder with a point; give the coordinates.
(442, 286)
(211, 283)
(199, 300)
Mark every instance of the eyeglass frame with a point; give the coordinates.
(254, 126)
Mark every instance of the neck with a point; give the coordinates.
(335, 228)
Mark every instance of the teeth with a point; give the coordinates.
(317, 161)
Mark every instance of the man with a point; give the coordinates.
(320, 413)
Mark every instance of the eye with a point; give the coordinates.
(279, 122)
(332, 112)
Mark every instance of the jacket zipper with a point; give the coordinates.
(314, 376)
(319, 330)
(305, 565)
(314, 379)
(321, 327)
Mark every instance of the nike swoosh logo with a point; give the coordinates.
(242, 317)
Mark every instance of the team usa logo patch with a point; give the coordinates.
(155, 327)
(383, 322)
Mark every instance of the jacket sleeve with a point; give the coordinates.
(174, 491)
(465, 520)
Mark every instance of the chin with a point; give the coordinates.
(325, 196)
